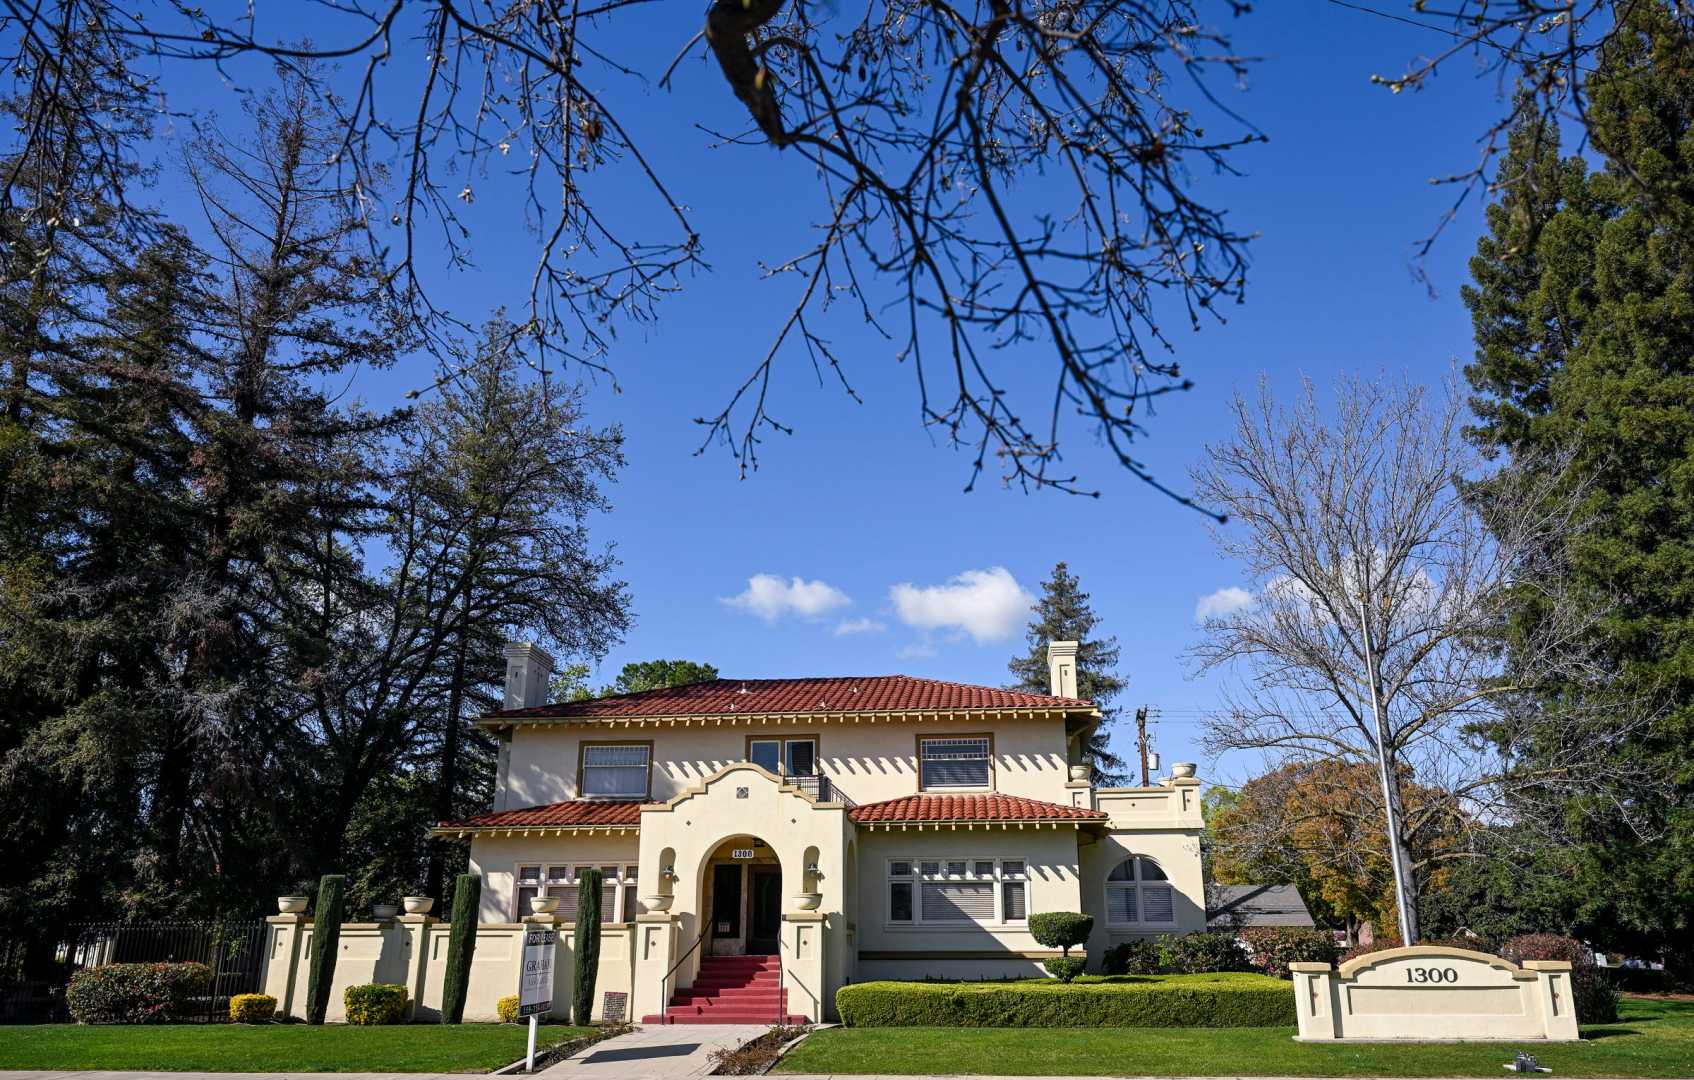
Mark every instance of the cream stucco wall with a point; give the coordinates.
(867, 761)
(496, 858)
(1161, 823)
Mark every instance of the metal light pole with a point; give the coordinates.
(1400, 895)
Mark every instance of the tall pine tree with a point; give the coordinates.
(1064, 614)
(1583, 307)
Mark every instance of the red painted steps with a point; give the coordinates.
(731, 990)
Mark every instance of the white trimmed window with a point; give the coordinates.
(617, 890)
(1138, 895)
(615, 772)
(957, 893)
(947, 763)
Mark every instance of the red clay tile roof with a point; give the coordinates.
(753, 697)
(946, 808)
(573, 814)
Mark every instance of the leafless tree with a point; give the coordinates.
(992, 178)
(1385, 564)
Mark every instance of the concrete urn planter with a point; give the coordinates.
(1079, 773)
(659, 902)
(808, 901)
(1182, 770)
(292, 905)
(543, 905)
(417, 905)
(384, 912)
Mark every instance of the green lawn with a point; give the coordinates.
(1653, 1038)
(273, 1047)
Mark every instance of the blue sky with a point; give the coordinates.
(866, 508)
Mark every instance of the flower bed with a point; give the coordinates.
(1213, 1000)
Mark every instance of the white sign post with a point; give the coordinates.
(535, 993)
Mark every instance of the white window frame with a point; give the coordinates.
(558, 878)
(617, 796)
(987, 758)
(1000, 878)
(1138, 885)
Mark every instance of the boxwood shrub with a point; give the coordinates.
(251, 1008)
(375, 1003)
(507, 1007)
(135, 993)
(1232, 1000)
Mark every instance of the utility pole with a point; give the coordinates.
(1390, 795)
(1141, 738)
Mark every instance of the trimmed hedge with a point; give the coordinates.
(375, 1003)
(1065, 968)
(135, 993)
(1230, 1000)
(251, 1008)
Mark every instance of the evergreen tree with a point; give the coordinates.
(1583, 307)
(640, 675)
(1063, 614)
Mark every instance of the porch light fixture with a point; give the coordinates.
(668, 872)
(812, 868)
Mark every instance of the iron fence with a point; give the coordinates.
(233, 950)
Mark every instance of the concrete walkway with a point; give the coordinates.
(655, 1052)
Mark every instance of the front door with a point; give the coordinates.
(726, 901)
(766, 916)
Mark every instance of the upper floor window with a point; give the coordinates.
(617, 889)
(785, 756)
(1137, 894)
(955, 762)
(616, 770)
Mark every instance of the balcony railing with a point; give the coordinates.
(820, 788)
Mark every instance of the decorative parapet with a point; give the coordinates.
(1428, 993)
(1171, 804)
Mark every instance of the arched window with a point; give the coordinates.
(1137, 895)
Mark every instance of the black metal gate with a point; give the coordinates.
(233, 950)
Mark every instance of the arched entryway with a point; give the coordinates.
(741, 890)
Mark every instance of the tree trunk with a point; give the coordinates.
(447, 779)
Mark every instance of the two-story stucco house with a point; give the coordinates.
(785, 837)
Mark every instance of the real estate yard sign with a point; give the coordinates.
(535, 993)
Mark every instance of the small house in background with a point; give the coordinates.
(1238, 907)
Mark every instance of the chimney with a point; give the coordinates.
(528, 667)
(1061, 668)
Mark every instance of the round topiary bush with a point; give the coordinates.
(1061, 929)
(375, 1003)
(251, 1008)
(1065, 968)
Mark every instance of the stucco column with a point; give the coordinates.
(417, 931)
(655, 952)
(802, 962)
(282, 959)
(1314, 988)
(1556, 997)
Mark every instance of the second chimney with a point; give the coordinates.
(528, 669)
(1061, 668)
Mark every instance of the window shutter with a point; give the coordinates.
(1158, 904)
(958, 901)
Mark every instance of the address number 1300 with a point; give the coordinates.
(1432, 975)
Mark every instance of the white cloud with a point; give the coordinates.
(916, 651)
(989, 605)
(770, 597)
(1226, 601)
(859, 626)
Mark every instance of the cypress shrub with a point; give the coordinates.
(461, 946)
(587, 950)
(1218, 1001)
(326, 942)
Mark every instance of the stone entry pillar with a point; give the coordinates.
(418, 930)
(282, 960)
(802, 963)
(655, 952)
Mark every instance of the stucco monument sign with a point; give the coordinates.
(1429, 993)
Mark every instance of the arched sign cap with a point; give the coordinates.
(1364, 963)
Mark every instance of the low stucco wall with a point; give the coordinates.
(412, 951)
(1431, 993)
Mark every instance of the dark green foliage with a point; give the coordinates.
(1220, 1001)
(327, 917)
(135, 993)
(1210, 951)
(1065, 968)
(1139, 957)
(375, 1003)
(1596, 999)
(1583, 310)
(461, 947)
(586, 956)
(1064, 614)
(658, 674)
(1060, 929)
(1270, 949)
